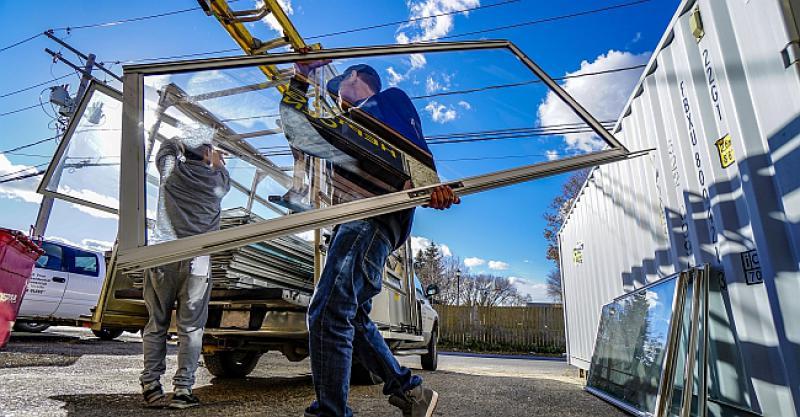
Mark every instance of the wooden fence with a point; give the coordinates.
(538, 329)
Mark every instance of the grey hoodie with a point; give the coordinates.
(191, 193)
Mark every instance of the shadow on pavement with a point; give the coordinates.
(460, 395)
(50, 349)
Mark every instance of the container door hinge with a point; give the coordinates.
(791, 53)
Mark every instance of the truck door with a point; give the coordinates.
(83, 286)
(47, 284)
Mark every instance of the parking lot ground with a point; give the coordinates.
(69, 372)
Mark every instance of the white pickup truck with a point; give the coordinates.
(63, 290)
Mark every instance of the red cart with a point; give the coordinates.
(18, 254)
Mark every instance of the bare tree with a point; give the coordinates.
(490, 290)
(554, 288)
(554, 216)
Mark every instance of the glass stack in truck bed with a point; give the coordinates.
(286, 262)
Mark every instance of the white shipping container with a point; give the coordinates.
(720, 105)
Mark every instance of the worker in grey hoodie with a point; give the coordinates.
(193, 182)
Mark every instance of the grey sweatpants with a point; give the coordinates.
(186, 283)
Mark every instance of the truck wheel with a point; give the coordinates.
(231, 364)
(359, 375)
(107, 334)
(430, 360)
(30, 326)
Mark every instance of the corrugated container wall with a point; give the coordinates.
(720, 105)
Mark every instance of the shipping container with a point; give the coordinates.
(719, 105)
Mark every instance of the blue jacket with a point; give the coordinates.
(394, 108)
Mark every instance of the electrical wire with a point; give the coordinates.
(545, 20)
(7, 47)
(19, 110)
(11, 93)
(30, 144)
(400, 22)
(523, 83)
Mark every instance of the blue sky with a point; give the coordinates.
(502, 228)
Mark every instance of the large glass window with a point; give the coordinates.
(318, 134)
(88, 166)
(631, 345)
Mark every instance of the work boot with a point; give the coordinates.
(183, 398)
(418, 402)
(153, 395)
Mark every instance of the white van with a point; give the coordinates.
(63, 289)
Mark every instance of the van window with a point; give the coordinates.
(85, 263)
(52, 258)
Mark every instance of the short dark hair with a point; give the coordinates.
(197, 153)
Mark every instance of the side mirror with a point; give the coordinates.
(432, 290)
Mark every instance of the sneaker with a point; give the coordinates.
(418, 402)
(312, 410)
(183, 398)
(153, 394)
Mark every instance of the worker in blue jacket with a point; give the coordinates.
(338, 316)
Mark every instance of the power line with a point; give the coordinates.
(545, 20)
(11, 93)
(523, 83)
(19, 110)
(399, 22)
(29, 145)
(21, 42)
(129, 20)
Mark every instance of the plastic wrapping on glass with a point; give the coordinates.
(325, 133)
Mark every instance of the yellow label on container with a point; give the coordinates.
(725, 149)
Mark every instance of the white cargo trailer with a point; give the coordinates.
(719, 104)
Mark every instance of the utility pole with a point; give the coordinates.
(46, 206)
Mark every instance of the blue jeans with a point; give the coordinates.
(338, 319)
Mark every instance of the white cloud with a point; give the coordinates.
(440, 113)
(417, 61)
(537, 291)
(551, 155)
(434, 27)
(394, 76)
(90, 244)
(23, 189)
(498, 265)
(602, 95)
(637, 37)
(473, 262)
(270, 20)
(465, 105)
(420, 243)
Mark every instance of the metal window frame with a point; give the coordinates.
(697, 345)
(67, 139)
(133, 252)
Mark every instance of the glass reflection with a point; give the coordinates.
(631, 343)
(316, 134)
(89, 167)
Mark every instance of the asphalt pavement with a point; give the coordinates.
(68, 372)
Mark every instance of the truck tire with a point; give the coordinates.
(359, 375)
(30, 326)
(430, 360)
(231, 364)
(108, 334)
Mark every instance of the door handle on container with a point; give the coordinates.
(59, 279)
